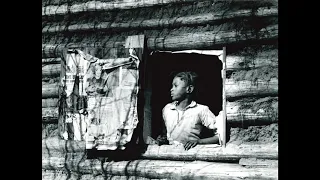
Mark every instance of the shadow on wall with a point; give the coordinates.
(132, 152)
(134, 149)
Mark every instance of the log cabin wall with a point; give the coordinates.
(249, 30)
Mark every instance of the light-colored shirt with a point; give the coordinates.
(187, 124)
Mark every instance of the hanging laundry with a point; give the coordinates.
(75, 97)
(113, 110)
(101, 98)
(77, 64)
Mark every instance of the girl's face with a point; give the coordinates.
(179, 89)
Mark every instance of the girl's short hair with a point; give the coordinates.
(189, 77)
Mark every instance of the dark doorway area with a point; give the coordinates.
(164, 66)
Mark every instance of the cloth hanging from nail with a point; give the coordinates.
(106, 89)
(112, 103)
(76, 64)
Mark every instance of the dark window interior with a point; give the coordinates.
(164, 66)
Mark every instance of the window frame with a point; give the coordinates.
(218, 53)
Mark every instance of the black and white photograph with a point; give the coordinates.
(159, 89)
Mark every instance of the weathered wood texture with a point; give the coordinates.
(252, 113)
(49, 130)
(52, 70)
(50, 112)
(161, 169)
(246, 118)
(55, 144)
(232, 152)
(47, 153)
(207, 153)
(241, 89)
(172, 40)
(50, 79)
(262, 74)
(254, 134)
(263, 58)
(191, 20)
(52, 51)
(50, 120)
(50, 90)
(104, 6)
(51, 61)
(63, 175)
(50, 102)
(209, 39)
(254, 162)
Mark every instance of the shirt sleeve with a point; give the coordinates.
(163, 114)
(212, 122)
(164, 129)
(208, 119)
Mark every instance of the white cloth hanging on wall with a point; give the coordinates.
(113, 116)
(77, 64)
(111, 89)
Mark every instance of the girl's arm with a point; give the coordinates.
(210, 140)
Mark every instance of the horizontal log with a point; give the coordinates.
(182, 41)
(201, 19)
(104, 6)
(254, 162)
(51, 61)
(241, 113)
(49, 130)
(55, 175)
(233, 63)
(47, 153)
(235, 90)
(232, 152)
(261, 59)
(55, 144)
(50, 91)
(51, 70)
(50, 102)
(49, 120)
(94, 6)
(210, 153)
(50, 112)
(59, 175)
(213, 39)
(48, 81)
(160, 169)
(50, 115)
(53, 50)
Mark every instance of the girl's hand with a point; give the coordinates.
(190, 144)
(161, 140)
